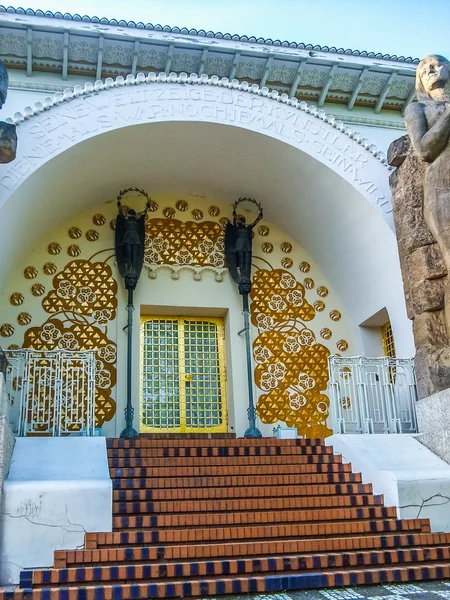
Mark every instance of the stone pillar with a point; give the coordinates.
(424, 280)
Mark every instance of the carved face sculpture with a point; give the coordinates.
(434, 72)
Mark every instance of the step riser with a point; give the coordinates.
(271, 452)
(240, 585)
(231, 481)
(175, 536)
(128, 555)
(222, 461)
(217, 506)
(343, 490)
(236, 471)
(259, 517)
(215, 443)
(281, 564)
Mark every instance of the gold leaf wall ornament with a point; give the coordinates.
(24, 318)
(214, 211)
(263, 230)
(319, 306)
(286, 247)
(325, 333)
(82, 287)
(16, 299)
(309, 283)
(112, 224)
(322, 291)
(75, 233)
(30, 272)
(291, 366)
(14, 347)
(223, 221)
(182, 205)
(342, 345)
(74, 250)
(92, 235)
(287, 263)
(152, 206)
(37, 289)
(335, 315)
(54, 248)
(278, 295)
(197, 214)
(169, 212)
(6, 330)
(49, 268)
(267, 247)
(99, 219)
(304, 267)
(174, 242)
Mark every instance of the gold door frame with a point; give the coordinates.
(186, 377)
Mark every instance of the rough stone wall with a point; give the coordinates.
(423, 270)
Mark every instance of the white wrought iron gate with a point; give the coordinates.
(373, 395)
(53, 391)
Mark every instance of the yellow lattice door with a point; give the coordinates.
(182, 375)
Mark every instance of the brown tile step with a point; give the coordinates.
(259, 564)
(217, 519)
(220, 461)
(242, 504)
(235, 584)
(225, 451)
(132, 533)
(218, 443)
(228, 550)
(362, 491)
(234, 481)
(229, 471)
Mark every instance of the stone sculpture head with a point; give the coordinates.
(433, 73)
(3, 84)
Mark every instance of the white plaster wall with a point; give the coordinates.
(407, 473)
(57, 489)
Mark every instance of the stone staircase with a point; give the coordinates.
(204, 517)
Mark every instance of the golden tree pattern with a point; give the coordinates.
(56, 335)
(291, 366)
(85, 287)
(174, 242)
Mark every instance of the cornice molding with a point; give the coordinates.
(206, 34)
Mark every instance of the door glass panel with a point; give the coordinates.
(183, 375)
(160, 407)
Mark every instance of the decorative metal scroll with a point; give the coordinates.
(373, 395)
(53, 392)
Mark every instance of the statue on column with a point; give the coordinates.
(130, 241)
(238, 247)
(8, 136)
(428, 125)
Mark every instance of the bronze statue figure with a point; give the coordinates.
(129, 241)
(238, 247)
(428, 125)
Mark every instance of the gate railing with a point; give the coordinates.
(373, 395)
(52, 391)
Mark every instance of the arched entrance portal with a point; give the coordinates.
(319, 187)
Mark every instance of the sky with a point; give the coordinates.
(402, 27)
